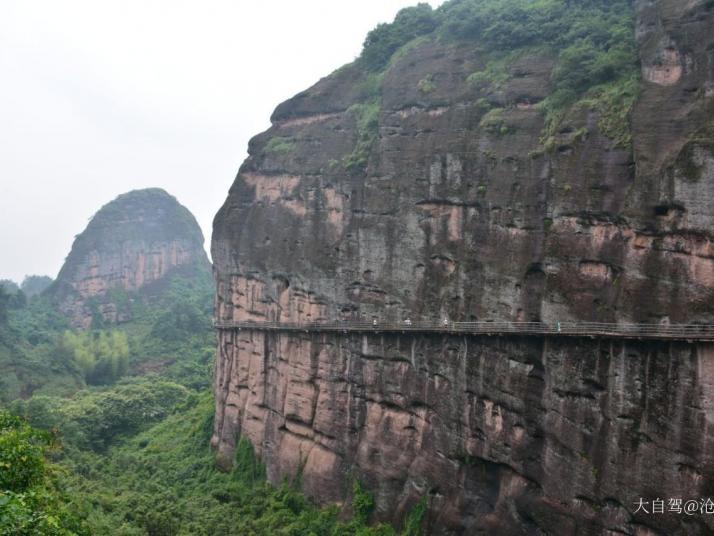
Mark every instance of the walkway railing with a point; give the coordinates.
(688, 332)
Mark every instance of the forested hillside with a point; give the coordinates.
(105, 429)
(113, 438)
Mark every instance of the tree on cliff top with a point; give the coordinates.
(385, 39)
(4, 299)
(592, 42)
(35, 284)
(602, 30)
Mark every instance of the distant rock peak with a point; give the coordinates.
(132, 242)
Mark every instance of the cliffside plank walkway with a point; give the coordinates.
(677, 332)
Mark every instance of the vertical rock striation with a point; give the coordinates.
(449, 210)
(131, 245)
(503, 436)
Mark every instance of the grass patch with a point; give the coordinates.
(614, 102)
(426, 85)
(280, 145)
(493, 122)
(367, 120)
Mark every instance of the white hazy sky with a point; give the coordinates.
(101, 97)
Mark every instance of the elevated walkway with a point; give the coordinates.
(676, 332)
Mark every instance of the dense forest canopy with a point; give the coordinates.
(603, 28)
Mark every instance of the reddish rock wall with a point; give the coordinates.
(132, 243)
(503, 436)
(451, 219)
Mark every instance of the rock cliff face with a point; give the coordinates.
(453, 211)
(131, 245)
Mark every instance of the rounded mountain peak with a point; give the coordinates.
(149, 214)
(134, 241)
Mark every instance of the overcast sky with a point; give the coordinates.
(101, 97)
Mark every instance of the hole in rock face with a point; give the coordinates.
(282, 282)
(668, 209)
(535, 270)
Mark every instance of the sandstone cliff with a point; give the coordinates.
(132, 245)
(439, 195)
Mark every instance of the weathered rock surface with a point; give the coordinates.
(131, 244)
(449, 218)
(503, 436)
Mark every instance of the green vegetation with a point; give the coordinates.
(614, 103)
(413, 521)
(592, 41)
(494, 122)
(11, 296)
(33, 285)
(280, 145)
(101, 356)
(130, 402)
(136, 459)
(31, 501)
(148, 208)
(496, 74)
(169, 332)
(28, 340)
(92, 419)
(367, 121)
(402, 50)
(386, 39)
(511, 24)
(362, 502)
(4, 300)
(163, 481)
(426, 85)
(370, 88)
(9, 286)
